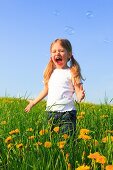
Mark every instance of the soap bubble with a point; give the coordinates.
(56, 13)
(89, 14)
(69, 30)
(106, 40)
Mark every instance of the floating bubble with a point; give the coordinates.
(106, 40)
(56, 13)
(89, 14)
(69, 30)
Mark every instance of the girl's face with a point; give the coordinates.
(59, 55)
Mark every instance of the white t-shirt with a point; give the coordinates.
(60, 91)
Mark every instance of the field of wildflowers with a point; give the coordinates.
(27, 143)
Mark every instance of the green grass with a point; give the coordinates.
(25, 148)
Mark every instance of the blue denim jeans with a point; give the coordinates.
(65, 120)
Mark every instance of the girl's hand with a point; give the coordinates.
(80, 92)
(29, 106)
(80, 95)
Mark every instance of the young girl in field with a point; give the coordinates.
(60, 83)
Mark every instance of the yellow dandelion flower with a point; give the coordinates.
(19, 146)
(107, 138)
(95, 142)
(8, 139)
(109, 167)
(109, 131)
(65, 136)
(61, 144)
(104, 116)
(17, 131)
(38, 143)
(68, 166)
(82, 113)
(43, 131)
(80, 117)
(4, 122)
(9, 145)
(83, 167)
(84, 131)
(30, 129)
(14, 131)
(47, 144)
(31, 137)
(101, 159)
(104, 140)
(94, 155)
(67, 156)
(56, 129)
(85, 137)
(112, 138)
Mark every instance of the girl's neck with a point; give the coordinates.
(66, 67)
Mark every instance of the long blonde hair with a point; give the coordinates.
(74, 65)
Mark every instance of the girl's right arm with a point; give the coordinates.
(41, 96)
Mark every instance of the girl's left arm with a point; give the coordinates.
(80, 93)
(41, 95)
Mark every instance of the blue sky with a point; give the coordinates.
(27, 28)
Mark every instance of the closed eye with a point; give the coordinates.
(53, 51)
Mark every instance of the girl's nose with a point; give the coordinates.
(57, 52)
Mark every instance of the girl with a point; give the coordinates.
(60, 83)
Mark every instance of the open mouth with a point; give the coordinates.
(58, 59)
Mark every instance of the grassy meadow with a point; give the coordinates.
(27, 143)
